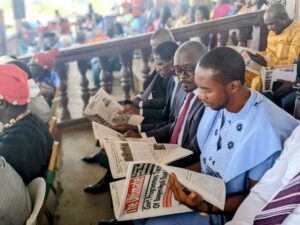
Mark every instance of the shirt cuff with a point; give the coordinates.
(139, 127)
(143, 134)
(141, 104)
(141, 111)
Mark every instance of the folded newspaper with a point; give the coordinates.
(146, 191)
(251, 65)
(108, 108)
(271, 74)
(121, 153)
(102, 132)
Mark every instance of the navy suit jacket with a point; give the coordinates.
(159, 92)
(189, 138)
(168, 114)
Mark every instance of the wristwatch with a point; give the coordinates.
(209, 210)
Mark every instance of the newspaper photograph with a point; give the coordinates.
(121, 153)
(109, 109)
(251, 65)
(271, 74)
(102, 132)
(146, 191)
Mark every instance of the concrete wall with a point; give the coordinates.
(293, 9)
(290, 7)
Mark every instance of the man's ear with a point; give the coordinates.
(234, 85)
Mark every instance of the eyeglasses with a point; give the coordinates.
(189, 69)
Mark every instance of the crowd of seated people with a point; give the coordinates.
(226, 124)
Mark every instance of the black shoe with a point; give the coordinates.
(97, 188)
(101, 186)
(92, 158)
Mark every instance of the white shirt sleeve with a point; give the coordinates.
(284, 169)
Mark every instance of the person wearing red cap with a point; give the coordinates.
(25, 142)
(41, 65)
(37, 103)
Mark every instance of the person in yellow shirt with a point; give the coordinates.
(283, 42)
(283, 47)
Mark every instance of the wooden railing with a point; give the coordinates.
(124, 47)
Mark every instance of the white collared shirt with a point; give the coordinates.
(176, 81)
(285, 168)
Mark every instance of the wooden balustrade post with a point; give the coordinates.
(62, 72)
(83, 66)
(126, 72)
(223, 38)
(146, 53)
(2, 34)
(105, 76)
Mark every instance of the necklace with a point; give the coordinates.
(14, 121)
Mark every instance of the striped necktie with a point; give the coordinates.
(281, 205)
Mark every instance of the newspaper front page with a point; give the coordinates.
(108, 108)
(147, 191)
(271, 74)
(121, 153)
(102, 132)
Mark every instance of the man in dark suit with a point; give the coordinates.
(164, 59)
(152, 100)
(182, 131)
(154, 94)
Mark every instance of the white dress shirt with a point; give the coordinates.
(284, 169)
(176, 81)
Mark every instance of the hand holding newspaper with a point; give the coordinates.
(271, 74)
(147, 191)
(102, 132)
(105, 106)
(121, 153)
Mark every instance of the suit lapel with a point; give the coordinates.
(194, 110)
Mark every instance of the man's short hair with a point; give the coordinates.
(192, 49)
(163, 34)
(277, 10)
(166, 50)
(227, 64)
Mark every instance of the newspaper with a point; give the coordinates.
(251, 65)
(146, 191)
(121, 153)
(271, 74)
(102, 132)
(109, 109)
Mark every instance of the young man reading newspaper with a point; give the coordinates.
(182, 131)
(233, 145)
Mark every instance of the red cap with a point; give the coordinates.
(46, 60)
(13, 85)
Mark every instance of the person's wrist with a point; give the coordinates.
(209, 208)
(205, 209)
